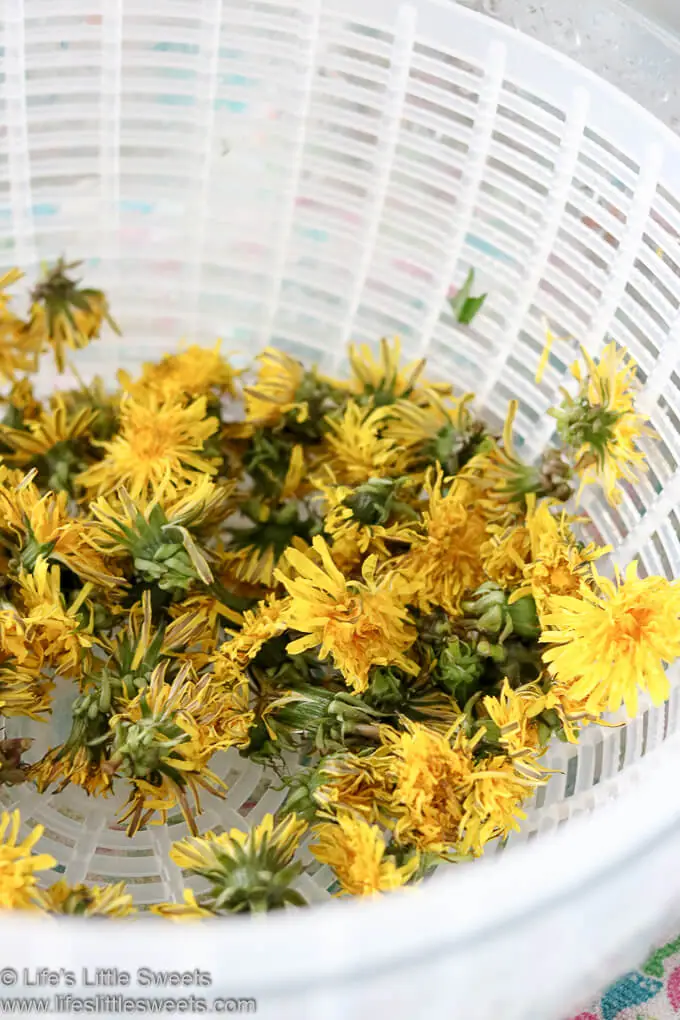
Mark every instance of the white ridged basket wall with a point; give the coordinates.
(307, 173)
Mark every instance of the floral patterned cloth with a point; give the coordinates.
(650, 993)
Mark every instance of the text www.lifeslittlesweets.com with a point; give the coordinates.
(126, 1005)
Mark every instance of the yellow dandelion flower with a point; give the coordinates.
(383, 378)
(492, 808)
(193, 372)
(442, 799)
(233, 720)
(64, 766)
(46, 432)
(201, 854)
(356, 852)
(352, 783)
(357, 448)
(274, 392)
(32, 525)
(57, 628)
(65, 315)
(601, 424)
(17, 351)
(189, 910)
(506, 551)
(417, 425)
(158, 439)
(431, 777)
(606, 645)
(86, 900)
(163, 740)
(375, 518)
(248, 871)
(259, 626)
(504, 480)
(18, 864)
(24, 690)
(446, 562)
(22, 403)
(518, 732)
(556, 564)
(437, 430)
(358, 623)
(123, 528)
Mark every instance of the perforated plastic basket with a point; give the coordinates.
(308, 173)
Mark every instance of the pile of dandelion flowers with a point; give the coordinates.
(607, 643)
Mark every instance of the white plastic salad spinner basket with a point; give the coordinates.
(305, 172)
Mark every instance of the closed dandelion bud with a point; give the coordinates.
(525, 623)
(376, 501)
(459, 669)
(140, 747)
(489, 612)
(302, 787)
(315, 715)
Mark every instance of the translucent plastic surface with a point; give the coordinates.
(310, 172)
